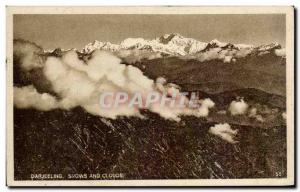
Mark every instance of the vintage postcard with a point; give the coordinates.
(150, 96)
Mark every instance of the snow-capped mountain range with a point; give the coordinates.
(174, 44)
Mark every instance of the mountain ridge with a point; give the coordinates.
(174, 44)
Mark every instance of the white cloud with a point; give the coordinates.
(280, 52)
(28, 97)
(227, 59)
(224, 131)
(81, 84)
(135, 55)
(226, 55)
(206, 104)
(238, 107)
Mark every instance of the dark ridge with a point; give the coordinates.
(19, 40)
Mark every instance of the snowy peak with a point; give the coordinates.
(182, 44)
(135, 43)
(100, 45)
(173, 38)
(218, 43)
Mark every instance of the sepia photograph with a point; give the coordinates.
(150, 96)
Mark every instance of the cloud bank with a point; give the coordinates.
(80, 83)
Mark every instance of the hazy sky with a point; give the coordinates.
(75, 31)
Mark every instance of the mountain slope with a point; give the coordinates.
(266, 73)
(150, 148)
